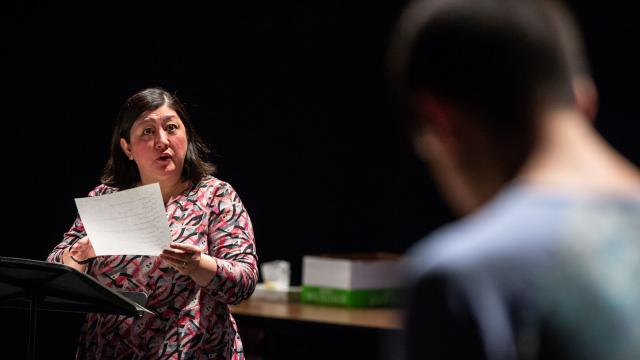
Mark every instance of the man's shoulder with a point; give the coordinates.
(514, 227)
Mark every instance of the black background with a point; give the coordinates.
(291, 96)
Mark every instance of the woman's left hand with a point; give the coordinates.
(185, 258)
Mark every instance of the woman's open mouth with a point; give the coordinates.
(164, 157)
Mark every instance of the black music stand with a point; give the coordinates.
(39, 285)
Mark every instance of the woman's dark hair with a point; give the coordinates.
(123, 173)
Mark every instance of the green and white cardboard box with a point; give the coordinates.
(352, 280)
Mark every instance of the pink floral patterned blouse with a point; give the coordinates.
(190, 321)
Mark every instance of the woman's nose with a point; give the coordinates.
(161, 140)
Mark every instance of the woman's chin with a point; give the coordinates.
(165, 172)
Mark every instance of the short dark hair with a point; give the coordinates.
(497, 59)
(122, 173)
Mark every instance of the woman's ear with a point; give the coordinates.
(586, 95)
(126, 148)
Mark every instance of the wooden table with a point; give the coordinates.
(378, 318)
(280, 330)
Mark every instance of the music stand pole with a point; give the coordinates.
(34, 307)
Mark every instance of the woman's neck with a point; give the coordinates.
(169, 188)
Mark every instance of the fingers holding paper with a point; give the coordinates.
(79, 254)
(185, 258)
(82, 250)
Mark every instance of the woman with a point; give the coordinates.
(210, 263)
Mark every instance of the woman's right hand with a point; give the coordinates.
(79, 252)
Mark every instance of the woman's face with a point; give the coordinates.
(158, 145)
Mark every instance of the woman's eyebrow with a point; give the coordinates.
(152, 119)
(169, 117)
(145, 120)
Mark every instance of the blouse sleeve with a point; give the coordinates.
(232, 245)
(75, 233)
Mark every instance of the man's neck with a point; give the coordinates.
(571, 156)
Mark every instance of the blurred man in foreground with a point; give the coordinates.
(545, 262)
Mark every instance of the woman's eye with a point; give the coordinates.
(172, 127)
(147, 131)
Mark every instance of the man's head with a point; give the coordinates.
(475, 77)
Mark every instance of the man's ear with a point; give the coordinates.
(126, 148)
(586, 96)
(440, 142)
(439, 117)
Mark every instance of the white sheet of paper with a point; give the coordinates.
(128, 222)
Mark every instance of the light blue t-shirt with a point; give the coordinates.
(536, 265)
